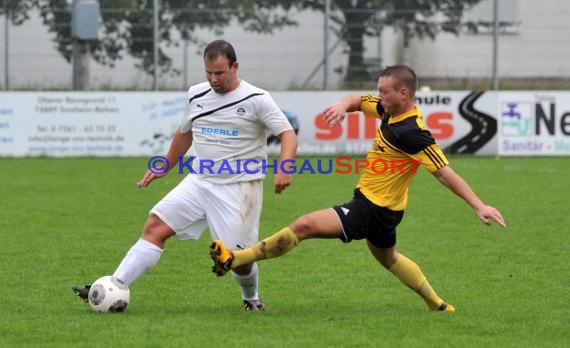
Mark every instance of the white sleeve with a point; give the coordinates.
(272, 116)
(186, 122)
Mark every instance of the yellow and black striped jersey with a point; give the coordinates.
(402, 144)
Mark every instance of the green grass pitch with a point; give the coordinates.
(67, 221)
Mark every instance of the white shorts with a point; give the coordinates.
(232, 211)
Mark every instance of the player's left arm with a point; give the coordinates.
(460, 187)
(271, 115)
(286, 159)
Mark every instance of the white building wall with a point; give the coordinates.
(284, 60)
(540, 48)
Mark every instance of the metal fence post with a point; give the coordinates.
(6, 46)
(81, 56)
(155, 10)
(495, 76)
(326, 45)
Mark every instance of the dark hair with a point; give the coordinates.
(404, 76)
(219, 48)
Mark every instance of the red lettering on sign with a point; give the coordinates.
(440, 125)
(352, 123)
(324, 131)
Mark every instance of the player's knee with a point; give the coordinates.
(388, 258)
(385, 256)
(156, 231)
(303, 227)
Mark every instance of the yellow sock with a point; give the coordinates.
(410, 274)
(272, 246)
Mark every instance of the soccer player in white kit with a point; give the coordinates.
(225, 123)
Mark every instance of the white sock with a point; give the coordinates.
(248, 283)
(142, 256)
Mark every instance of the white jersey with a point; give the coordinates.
(229, 132)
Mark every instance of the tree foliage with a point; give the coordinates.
(127, 24)
(356, 19)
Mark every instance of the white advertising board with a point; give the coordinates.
(84, 124)
(534, 123)
(142, 123)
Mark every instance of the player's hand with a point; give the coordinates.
(334, 114)
(282, 181)
(488, 214)
(148, 177)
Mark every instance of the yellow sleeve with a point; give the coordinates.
(431, 158)
(370, 106)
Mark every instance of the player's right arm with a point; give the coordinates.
(367, 103)
(335, 113)
(459, 186)
(180, 144)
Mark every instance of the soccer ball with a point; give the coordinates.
(108, 294)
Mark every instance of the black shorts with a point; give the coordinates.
(362, 219)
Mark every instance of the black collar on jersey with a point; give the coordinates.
(225, 106)
(406, 135)
(199, 95)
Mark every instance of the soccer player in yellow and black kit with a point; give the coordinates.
(402, 143)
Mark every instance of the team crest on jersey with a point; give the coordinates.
(241, 111)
